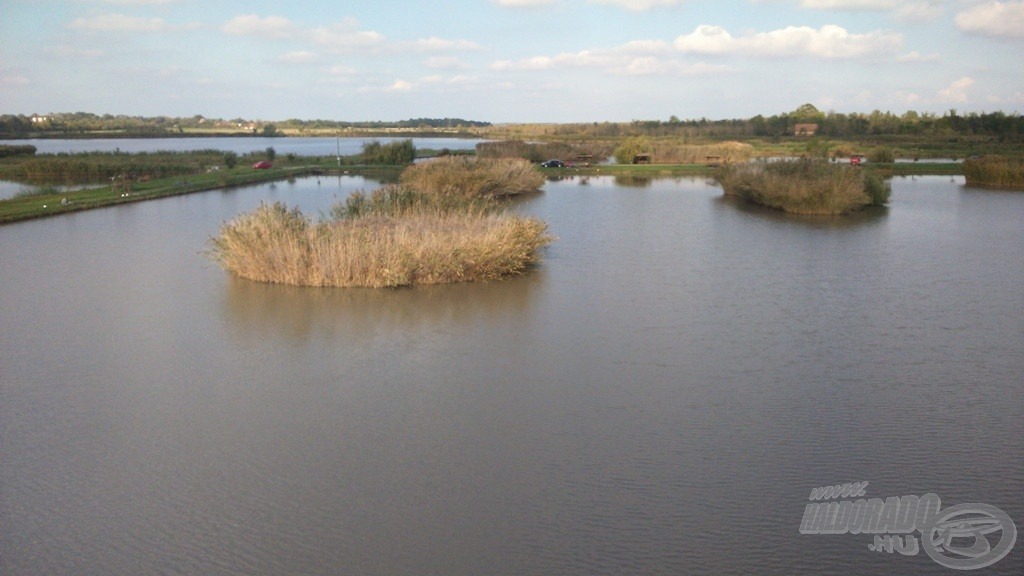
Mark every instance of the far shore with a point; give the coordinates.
(54, 204)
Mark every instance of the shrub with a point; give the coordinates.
(996, 171)
(882, 155)
(630, 147)
(393, 154)
(804, 186)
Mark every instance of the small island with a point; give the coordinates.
(444, 222)
(805, 186)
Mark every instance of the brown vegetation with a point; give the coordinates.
(995, 171)
(442, 224)
(804, 186)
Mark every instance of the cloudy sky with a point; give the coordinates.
(509, 60)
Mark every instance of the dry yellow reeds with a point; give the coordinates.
(441, 225)
(275, 244)
(473, 178)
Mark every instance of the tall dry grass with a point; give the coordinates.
(443, 223)
(804, 186)
(675, 152)
(468, 177)
(995, 171)
(279, 245)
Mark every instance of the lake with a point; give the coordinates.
(301, 146)
(660, 396)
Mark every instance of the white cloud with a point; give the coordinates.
(297, 57)
(634, 59)
(400, 86)
(523, 3)
(73, 52)
(850, 4)
(346, 36)
(916, 56)
(118, 23)
(993, 19)
(919, 11)
(639, 5)
(435, 44)
(11, 78)
(829, 41)
(141, 2)
(277, 27)
(957, 91)
(912, 10)
(445, 63)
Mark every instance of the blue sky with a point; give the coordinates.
(509, 60)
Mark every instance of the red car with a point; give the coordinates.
(261, 165)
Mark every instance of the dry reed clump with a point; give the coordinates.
(467, 177)
(725, 152)
(275, 244)
(675, 152)
(995, 171)
(441, 224)
(804, 186)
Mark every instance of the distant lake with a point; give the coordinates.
(659, 396)
(239, 145)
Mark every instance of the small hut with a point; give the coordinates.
(805, 129)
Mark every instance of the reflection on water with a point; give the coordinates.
(658, 397)
(302, 313)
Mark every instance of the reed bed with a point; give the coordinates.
(804, 186)
(280, 245)
(995, 171)
(675, 152)
(461, 176)
(444, 223)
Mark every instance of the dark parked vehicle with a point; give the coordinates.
(553, 164)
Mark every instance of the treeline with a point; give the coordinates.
(995, 126)
(70, 124)
(435, 123)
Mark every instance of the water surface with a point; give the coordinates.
(659, 397)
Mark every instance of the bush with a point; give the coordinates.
(804, 186)
(393, 154)
(882, 155)
(630, 147)
(996, 171)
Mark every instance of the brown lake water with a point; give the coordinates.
(659, 397)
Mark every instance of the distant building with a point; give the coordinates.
(805, 129)
(37, 119)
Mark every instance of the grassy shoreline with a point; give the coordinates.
(47, 205)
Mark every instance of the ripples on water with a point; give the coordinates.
(658, 398)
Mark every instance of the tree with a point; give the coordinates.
(230, 159)
(271, 153)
